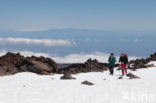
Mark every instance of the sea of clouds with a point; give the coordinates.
(70, 58)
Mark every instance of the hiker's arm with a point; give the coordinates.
(119, 59)
(127, 60)
(109, 59)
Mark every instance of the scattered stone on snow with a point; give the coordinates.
(132, 76)
(87, 83)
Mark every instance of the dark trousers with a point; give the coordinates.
(111, 70)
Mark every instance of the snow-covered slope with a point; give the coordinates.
(32, 88)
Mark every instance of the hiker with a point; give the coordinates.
(111, 61)
(124, 60)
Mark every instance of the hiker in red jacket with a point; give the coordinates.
(124, 60)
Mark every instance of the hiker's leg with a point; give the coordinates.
(109, 70)
(122, 68)
(122, 71)
(112, 70)
(125, 67)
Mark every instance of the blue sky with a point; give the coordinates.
(112, 15)
(71, 29)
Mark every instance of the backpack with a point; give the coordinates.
(126, 56)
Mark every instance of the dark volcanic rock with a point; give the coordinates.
(64, 65)
(40, 65)
(152, 57)
(12, 63)
(142, 63)
(67, 75)
(120, 77)
(87, 83)
(132, 76)
(88, 66)
(9, 63)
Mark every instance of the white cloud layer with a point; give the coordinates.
(32, 29)
(46, 42)
(82, 57)
(71, 58)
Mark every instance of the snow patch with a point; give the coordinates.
(152, 63)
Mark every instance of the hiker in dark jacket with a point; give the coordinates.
(111, 61)
(124, 60)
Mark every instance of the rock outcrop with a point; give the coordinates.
(40, 65)
(12, 63)
(141, 63)
(9, 63)
(88, 66)
(137, 64)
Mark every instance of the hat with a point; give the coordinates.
(122, 54)
(112, 54)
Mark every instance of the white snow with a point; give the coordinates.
(32, 88)
(153, 63)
